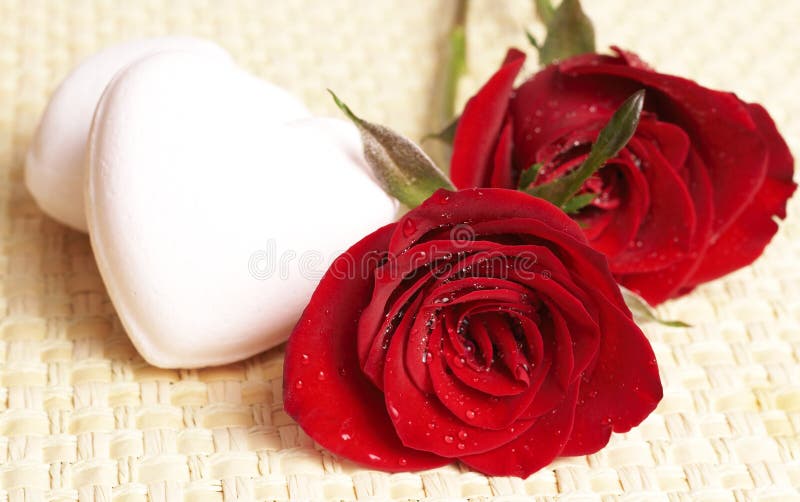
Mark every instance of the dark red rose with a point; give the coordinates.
(480, 327)
(691, 198)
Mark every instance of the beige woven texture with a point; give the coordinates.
(83, 418)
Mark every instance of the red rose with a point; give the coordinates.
(691, 198)
(480, 327)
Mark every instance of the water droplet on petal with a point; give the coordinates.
(393, 411)
(321, 376)
(470, 414)
(462, 435)
(342, 371)
(373, 457)
(461, 446)
(346, 437)
(298, 384)
(449, 439)
(431, 425)
(409, 227)
(304, 359)
(402, 462)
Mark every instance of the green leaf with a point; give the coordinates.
(643, 313)
(529, 175)
(446, 135)
(545, 10)
(401, 167)
(578, 202)
(532, 40)
(612, 138)
(569, 33)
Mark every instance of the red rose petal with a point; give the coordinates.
(509, 353)
(622, 388)
(494, 383)
(620, 226)
(480, 124)
(503, 175)
(671, 140)
(658, 286)
(422, 422)
(720, 126)
(474, 407)
(665, 234)
(550, 106)
(573, 253)
(746, 238)
(324, 389)
(534, 449)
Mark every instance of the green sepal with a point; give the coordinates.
(529, 175)
(569, 33)
(578, 202)
(446, 135)
(545, 10)
(532, 40)
(643, 313)
(402, 169)
(612, 138)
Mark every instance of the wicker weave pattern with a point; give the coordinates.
(82, 418)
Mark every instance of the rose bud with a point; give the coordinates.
(692, 197)
(480, 327)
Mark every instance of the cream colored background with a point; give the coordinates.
(81, 417)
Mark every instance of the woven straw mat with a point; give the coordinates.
(83, 418)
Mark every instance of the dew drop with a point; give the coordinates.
(304, 359)
(449, 439)
(393, 411)
(403, 462)
(459, 362)
(431, 425)
(409, 227)
(373, 457)
(470, 414)
(298, 384)
(321, 376)
(462, 435)
(461, 446)
(342, 371)
(537, 130)
(346, 437)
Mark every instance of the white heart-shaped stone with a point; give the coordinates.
(210, 222)
(55, 162)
